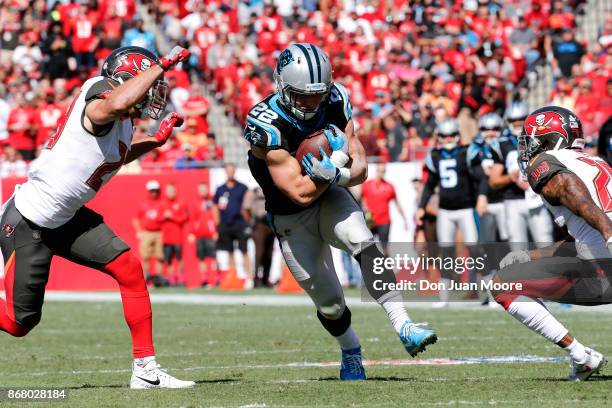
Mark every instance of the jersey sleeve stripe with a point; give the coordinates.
(275, 137)
(305, 51)
(348, 112)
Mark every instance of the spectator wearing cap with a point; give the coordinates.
(378, 194)
(58, 49)
(174, 216)
(203, 231)
(147, 225)
(138, 37)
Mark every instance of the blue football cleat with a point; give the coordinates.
(352, 368)
(415, 338)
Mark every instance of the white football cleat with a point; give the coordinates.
(152, 376)
(595, 362)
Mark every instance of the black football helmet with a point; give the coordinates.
(127, 62)
(549, 128)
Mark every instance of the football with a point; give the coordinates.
(311, 145)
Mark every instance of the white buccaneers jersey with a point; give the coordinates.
(596, 175)
(74, 165)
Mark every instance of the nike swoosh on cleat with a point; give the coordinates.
(156, 382)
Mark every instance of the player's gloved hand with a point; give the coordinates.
(339, 143)
(175, 56)
(165, 128)
(513, 257)
(323, 171)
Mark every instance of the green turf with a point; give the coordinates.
(237, 356)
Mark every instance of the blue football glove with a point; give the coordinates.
(339, 143)
(323, 171)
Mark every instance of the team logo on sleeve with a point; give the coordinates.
(547, 123)
(542, 169)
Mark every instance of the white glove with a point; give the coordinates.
(609, 244)
(513, 257)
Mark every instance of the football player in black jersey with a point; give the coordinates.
(308, 213)
(462, 188)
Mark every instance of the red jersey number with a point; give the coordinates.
(95, 181)
(601, 180)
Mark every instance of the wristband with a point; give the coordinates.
(344, 176)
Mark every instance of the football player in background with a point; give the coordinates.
(311, 212)
(524, 212)
(47, 215)
(577, 189)
(463, 195)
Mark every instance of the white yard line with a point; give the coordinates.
(303, 364)
(266, 300)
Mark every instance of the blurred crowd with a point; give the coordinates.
(49, 48)
(407, 64)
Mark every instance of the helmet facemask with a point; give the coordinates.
(527, 147)
(154, 103)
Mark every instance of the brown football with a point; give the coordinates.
(311, 145)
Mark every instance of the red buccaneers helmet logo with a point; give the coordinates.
(545, 123)
(132, 64)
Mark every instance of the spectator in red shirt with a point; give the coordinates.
(84, 40)
(377, 195)
(47, 117)
(175, 215)
(22, 135)
(148, 228)
(204, 234)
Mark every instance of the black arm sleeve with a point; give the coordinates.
(428, 190)
(481, 180)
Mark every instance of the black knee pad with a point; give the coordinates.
(339, 326)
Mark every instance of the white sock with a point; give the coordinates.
(143, 361)
(533, 314)
(577, 352)
(393, 304)
(443, 293)
(348, 340)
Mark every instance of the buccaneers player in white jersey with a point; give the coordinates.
(46, 216)
(577, 189)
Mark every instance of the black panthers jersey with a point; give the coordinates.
(270, 126)
(460, 182)
(508, 146)
(480, 154)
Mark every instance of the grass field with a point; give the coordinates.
(270, 356)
